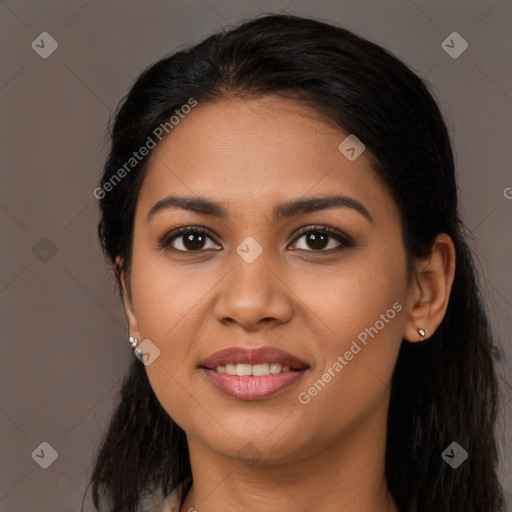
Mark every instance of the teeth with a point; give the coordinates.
(243, 369)
(257, 370)
(260, 369)
(231, 369)
(275, 368)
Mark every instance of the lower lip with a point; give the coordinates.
(250, 387)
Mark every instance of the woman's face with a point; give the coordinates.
(266, 275)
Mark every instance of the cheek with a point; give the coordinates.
(352, 295)
(362, 306)
(165, 295)
(169, 307)
(352, 381)
(167, 302)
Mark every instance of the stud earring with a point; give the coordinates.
(422, 333)
(136, 350)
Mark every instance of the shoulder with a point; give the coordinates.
(171, 503)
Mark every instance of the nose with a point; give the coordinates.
(253, 295)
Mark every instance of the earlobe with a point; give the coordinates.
(127, 302)
(430, 291)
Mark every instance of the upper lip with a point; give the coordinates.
(240, 355)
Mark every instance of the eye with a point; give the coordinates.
(317, 238)
(321, 239)
(188, 240)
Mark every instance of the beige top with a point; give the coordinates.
(172, 501)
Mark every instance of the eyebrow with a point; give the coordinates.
(283, 211)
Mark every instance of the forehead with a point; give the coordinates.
(258, 151)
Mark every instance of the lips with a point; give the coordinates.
(239, 355)
(249, 384)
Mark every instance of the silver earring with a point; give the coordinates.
(133, 341)
(422, 333)
(137, 351)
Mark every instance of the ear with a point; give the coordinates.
(429, 291)
(127, 302)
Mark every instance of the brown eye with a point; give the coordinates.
(322, 239)
(189, 240)
(316, 240)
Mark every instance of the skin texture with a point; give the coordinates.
(251, 155)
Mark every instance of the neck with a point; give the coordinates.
(348, 476)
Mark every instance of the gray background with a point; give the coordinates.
(64, 337)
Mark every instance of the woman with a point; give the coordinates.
(280, 208)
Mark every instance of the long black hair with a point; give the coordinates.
(444, 389)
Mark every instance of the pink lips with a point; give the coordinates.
(252, 387)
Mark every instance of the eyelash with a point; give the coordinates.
(340, 237)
